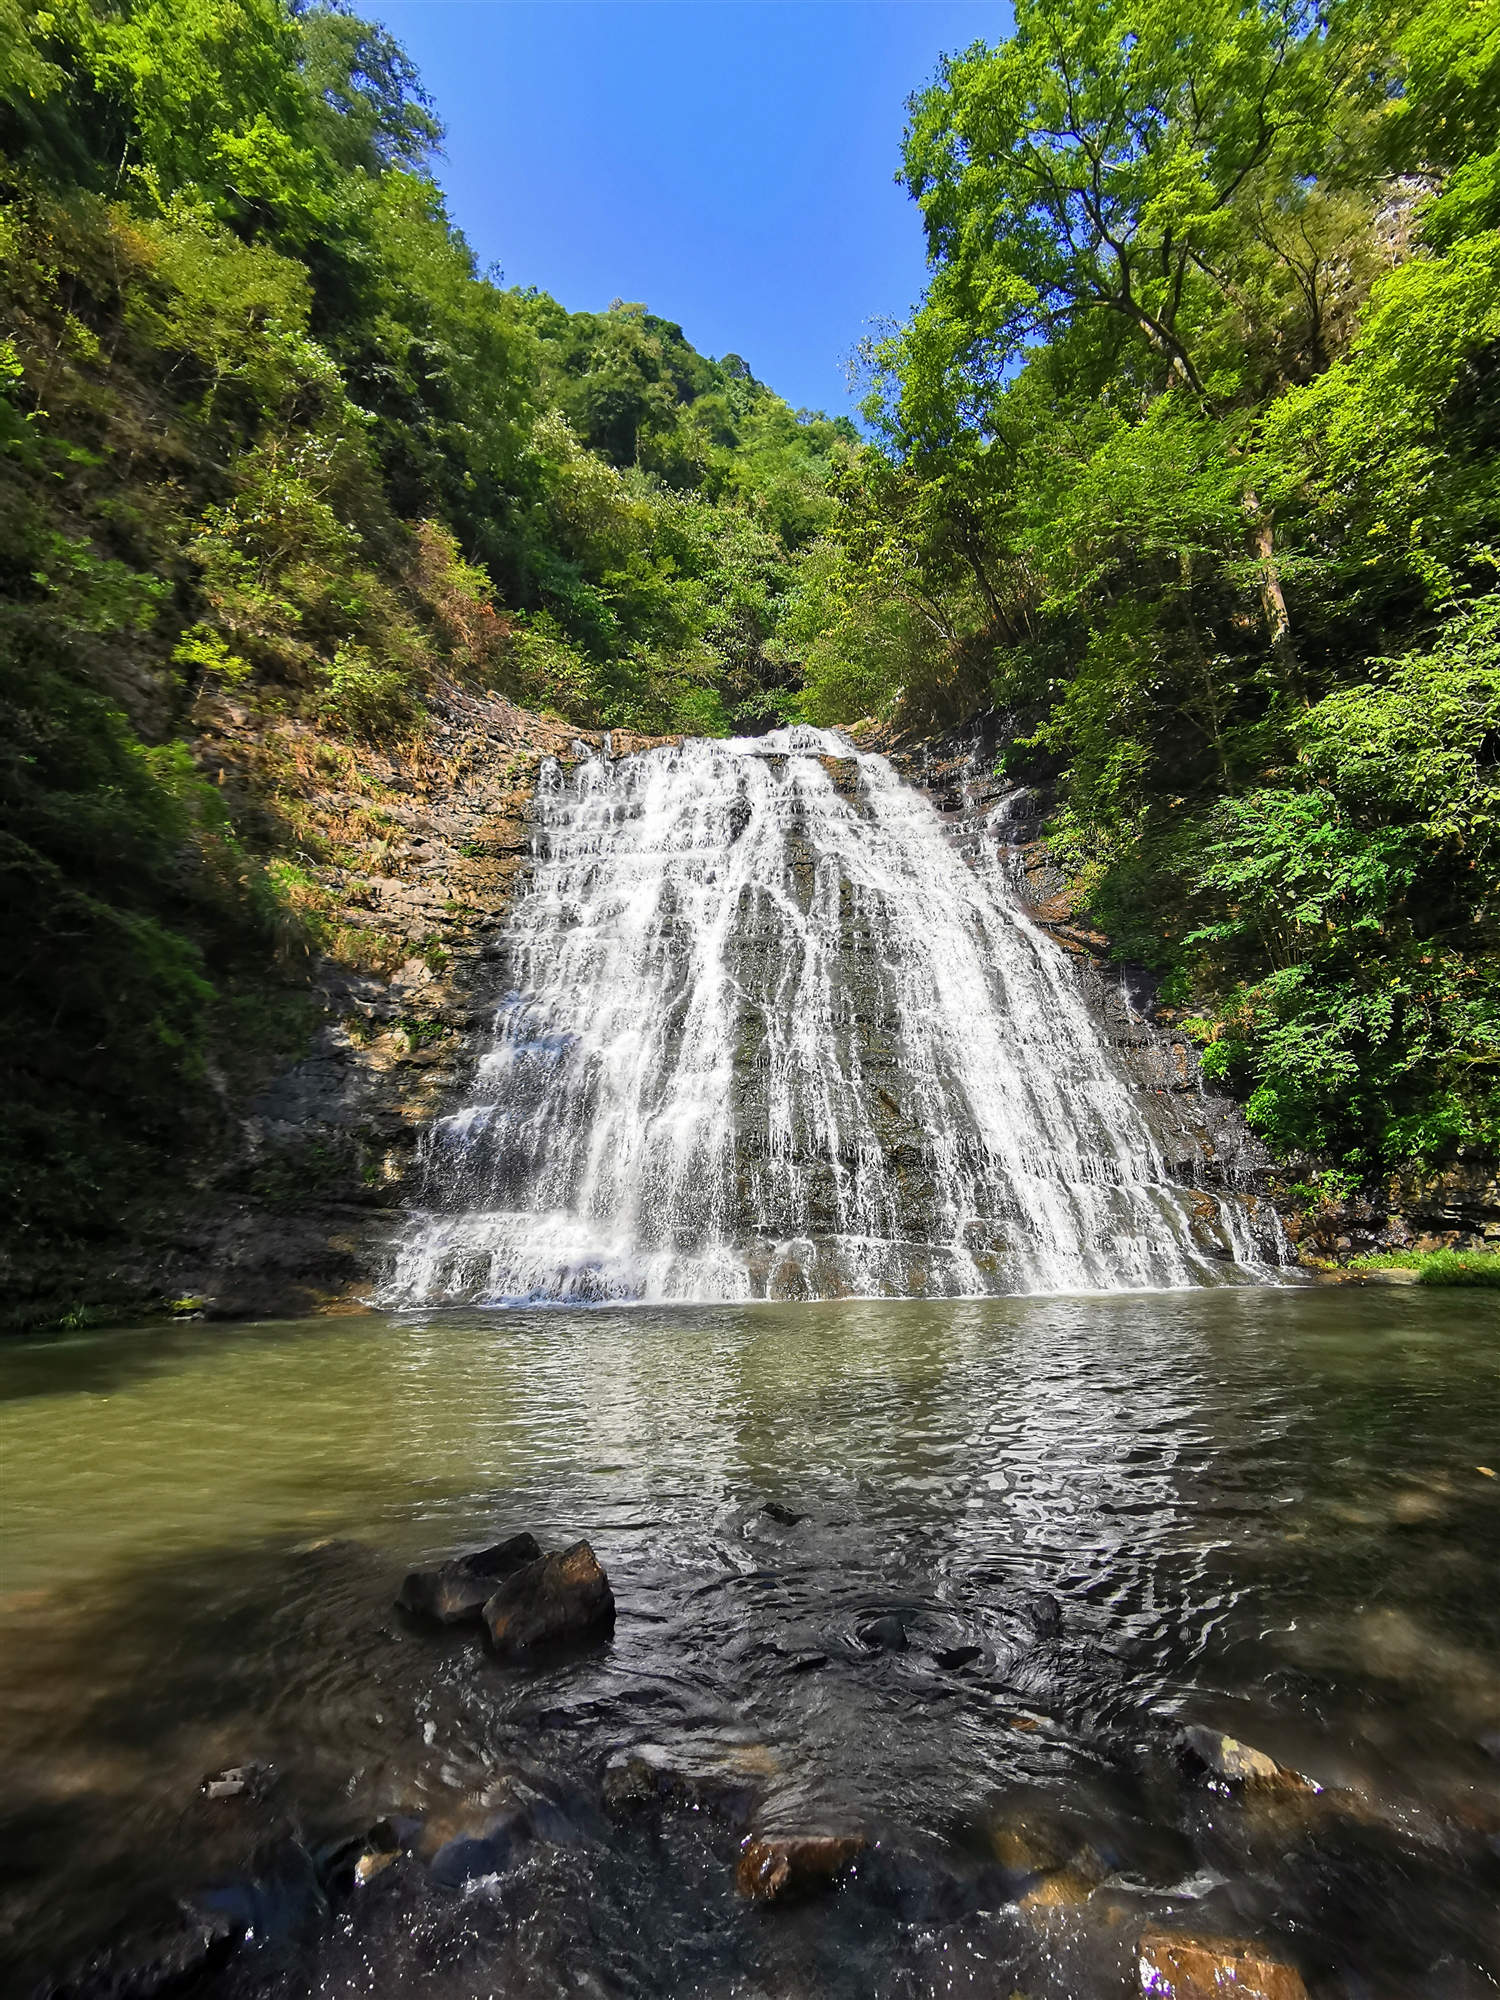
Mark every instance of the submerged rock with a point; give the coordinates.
(281, 1900)
(726, 1778)
(455, 1593)
(886, 1634)
(1237, 1763)
(1046, 1864)
(776, 1867)
(787, 1516)
(957, 1656)
(471, 1859)
(1177, 1967)
(558, 1599)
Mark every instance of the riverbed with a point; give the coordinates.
(1016, 1548)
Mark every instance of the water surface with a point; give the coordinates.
(1259, 1509)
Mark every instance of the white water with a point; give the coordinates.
(771, 1036)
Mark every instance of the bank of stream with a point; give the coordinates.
(955, 1578)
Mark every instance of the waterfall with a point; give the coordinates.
(768, 1034)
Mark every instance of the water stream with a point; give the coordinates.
(1098, 1520)
(769, 1035)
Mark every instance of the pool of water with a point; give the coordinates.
(1263, 1511)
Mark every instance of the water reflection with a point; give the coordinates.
(1256, 1509)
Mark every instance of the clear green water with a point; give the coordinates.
(1258, 1509)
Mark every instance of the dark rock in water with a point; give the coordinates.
(784, 1515)
(726, 1778)
(281, 1900)
(1236, 1763)
(886, 1634)
(1044, 1615)
(469, 1859)
(1176, 1967)
(778, 1867)
(349, 1863)
(808, 1663)
(916, 1889)
(957, 1656)
(558, 1599)
(165, 1952)
(455, 1593)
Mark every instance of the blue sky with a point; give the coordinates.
(729, 162)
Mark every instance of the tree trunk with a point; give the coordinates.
(1272, 596)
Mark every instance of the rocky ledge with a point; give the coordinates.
(433, 840)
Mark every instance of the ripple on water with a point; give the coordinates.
(1091, 1521)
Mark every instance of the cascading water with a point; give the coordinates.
(769, 1035)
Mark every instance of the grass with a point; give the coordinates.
(1437, 1267)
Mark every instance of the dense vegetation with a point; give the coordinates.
(1190, 459)
(265, 428)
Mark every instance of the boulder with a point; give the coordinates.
(1176, 1967)
(724, 1778)
(786, 1516)
(455, 1593)
(778, 1867)
(553, 1601)
(1236, 1763)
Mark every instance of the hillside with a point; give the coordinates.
(274, 449)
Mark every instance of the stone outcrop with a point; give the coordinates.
(996, 822)
(1456, 1206)
(414, 856)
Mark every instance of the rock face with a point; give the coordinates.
(996, 821)
(1456, 1206)
(557, 1600)
(455, 1593)
(417, 852)
(1175, 1967)
(777, 1867)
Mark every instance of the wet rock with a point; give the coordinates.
(785, 1515)
(778, 1867)
(886, 1634)
(237, 1781)
(1236, 1763)
(471, 1859)
(281, 1900)
(347, 1864)
(456, 1593)
(958, 1656)
(722, 1778)
(559, 1599)
(1177, 1967)
(1066, 1888)
(808, 1663)
(1025, 1845)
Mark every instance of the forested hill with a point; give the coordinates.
(266, 430)
(1190, 461)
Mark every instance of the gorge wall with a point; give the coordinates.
(300, 1201)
